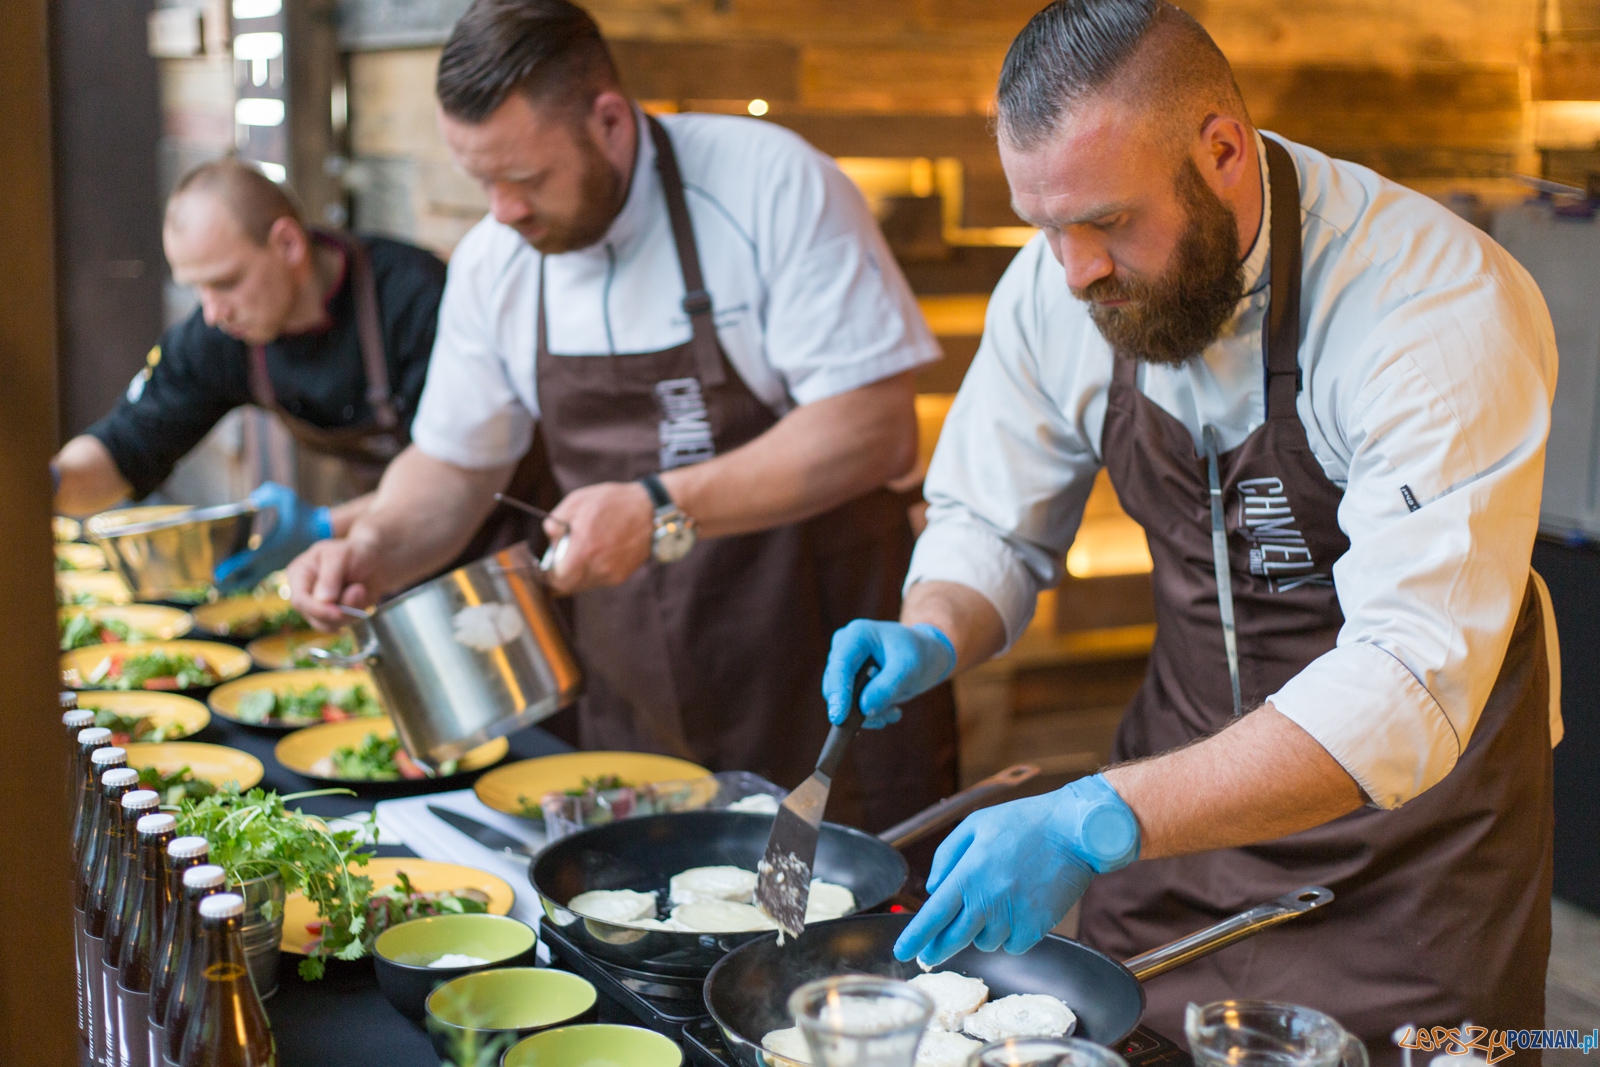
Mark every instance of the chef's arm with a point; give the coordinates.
(344, 516)
(814, 458)
(423, 514)
(90, 480)
(1259, 779)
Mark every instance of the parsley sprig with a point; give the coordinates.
(254, 834)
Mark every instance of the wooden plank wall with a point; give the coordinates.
(1434, 92)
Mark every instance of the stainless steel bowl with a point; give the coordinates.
(171, 554)
(467, 657)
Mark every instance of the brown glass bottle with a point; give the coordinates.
(198, 884)
(103, 857)
(228, 1027)
(139, 939)
(90, 740)
(182, 855)
(75, 720)
(135, 804)
(103, 758)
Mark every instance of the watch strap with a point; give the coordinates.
(659, 497)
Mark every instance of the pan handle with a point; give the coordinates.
(951, 808)
(1236, 928)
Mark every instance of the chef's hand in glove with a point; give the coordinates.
(1010, 873)
(296, 527)
(910, 660)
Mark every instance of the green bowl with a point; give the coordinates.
(601, 1045)
(402, 953)
(503, 1005)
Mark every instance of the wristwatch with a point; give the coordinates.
(673, 535)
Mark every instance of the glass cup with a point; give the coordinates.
(861, 1020)
(1260, 1033)
(1045, 1052)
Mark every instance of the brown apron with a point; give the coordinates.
(1442, 909)
(347, 461)
(718, 658)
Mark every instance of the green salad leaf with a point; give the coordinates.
(176, 787)
(156, 669)
(375, 759)
(301, 656)
(320, 703)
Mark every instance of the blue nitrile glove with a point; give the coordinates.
(910, 659)
(296, 528)
(1010, 873)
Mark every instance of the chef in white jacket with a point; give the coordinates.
(1326, 400)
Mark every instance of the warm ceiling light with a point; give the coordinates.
(757, 107)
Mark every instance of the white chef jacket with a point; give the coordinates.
(808, 301)
(1429, 364)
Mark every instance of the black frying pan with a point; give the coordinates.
(748, 992)
(643, 853)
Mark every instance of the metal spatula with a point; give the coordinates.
(783, 877)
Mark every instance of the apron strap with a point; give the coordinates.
(696, 300)
(1281, 337)
(1220, 564)
(369, 328)
(261, 391)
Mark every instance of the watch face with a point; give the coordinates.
(673, 540)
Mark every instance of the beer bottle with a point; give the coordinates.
(139, 938)
(228, 1027)
(99, 755)
(183, 855)
(136, 803)
(75, 720)
(102, 857)
(90, 740)
(199, 883)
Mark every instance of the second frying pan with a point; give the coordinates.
(748, 992)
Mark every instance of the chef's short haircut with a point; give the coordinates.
(253, 200)
(1148, 52)
(550, 51)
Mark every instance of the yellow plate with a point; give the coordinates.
(237, 616)
(217, 764)
(428, 876)
(93, 587)
(65, 529)
(533, 778)
(275, 654)
(151, 621)
(225, 661)
(225, 699)
(80, 557)
(303, 748)
(159, 708)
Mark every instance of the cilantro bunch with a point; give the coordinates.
(254, 834)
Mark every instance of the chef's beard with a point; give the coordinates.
(601, 191)
(1171, 319)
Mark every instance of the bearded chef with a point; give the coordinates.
(1325, 399)
(701, 317)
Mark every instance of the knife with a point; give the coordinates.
(783, 877)
(485, 835)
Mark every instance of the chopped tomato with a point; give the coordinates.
(408, 767)
(121, 739)
(107, 637)
(115, 670)
(169, 682)
(334, 713)
(315, 927)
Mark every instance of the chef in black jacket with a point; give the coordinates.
(330, 331)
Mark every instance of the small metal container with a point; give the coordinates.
(167, 553)
(467, 657)
(262, 935)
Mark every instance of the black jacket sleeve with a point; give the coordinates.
(194, 377)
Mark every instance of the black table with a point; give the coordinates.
(343, 1018)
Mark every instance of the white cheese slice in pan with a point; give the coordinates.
(614, 905)
(940, 1048)
(712, 883)
(828, 901)
(954, 996)
(1021, 1015)
(719, 917)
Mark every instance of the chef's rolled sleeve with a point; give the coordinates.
(1453, 416)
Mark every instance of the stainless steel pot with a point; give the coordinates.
(467, 657)
(171, 553)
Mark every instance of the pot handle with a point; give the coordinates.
(951, 808)
(367, 653)
(552, 555)
(1235, 928)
